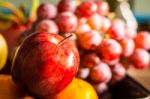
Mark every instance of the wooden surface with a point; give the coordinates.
(142, 76)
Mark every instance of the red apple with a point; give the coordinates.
(45, 64)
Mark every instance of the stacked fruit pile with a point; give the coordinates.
(108, 46)
(47, 61)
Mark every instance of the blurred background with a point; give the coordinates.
(140, 9)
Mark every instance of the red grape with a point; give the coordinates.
(128, 46)
(89, 40)
(102, 7)
(110, 50)
(130, 32)
(46, 11)
(117, 30)
(82, 29)
(112, 62)
(101, 88)
(100, 73)
(143, 40)
(67, 5)
(83, 73)
(86, 8)
(140, 59)
(47, 26)
(67, 22)
(95, 21)
(118, 72)
(90, 60)
(82, 20)
(105, 24)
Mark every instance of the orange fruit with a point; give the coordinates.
(7, 87)
(78, 89)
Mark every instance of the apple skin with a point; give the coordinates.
(43, 66)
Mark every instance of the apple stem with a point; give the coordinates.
(65, 39)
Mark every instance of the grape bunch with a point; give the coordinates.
(108, 46)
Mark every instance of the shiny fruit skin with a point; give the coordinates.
(106, 24)
(101, 88)
(82, 20)
(142, 40)
(82, 28)
(83, 73)
(130, 32)
(117, 29)
(46, 11)
(140, 59)
(67, 22)
(67, 5)
(110, 49)
(90, 60)
(100, 73)
(95, 21)
(86, 9)
(118, 72)
(90, 40)
(102, 7)
(128, 46)
(77, 89)
(41, 65)
(3, 51)
(47, 26)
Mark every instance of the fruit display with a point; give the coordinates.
(108, 46)
(76, 50)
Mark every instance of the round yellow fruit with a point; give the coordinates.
(78, 89)
(3, 51)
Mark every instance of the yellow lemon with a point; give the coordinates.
(3, 51)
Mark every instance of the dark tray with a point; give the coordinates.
(128, 88)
